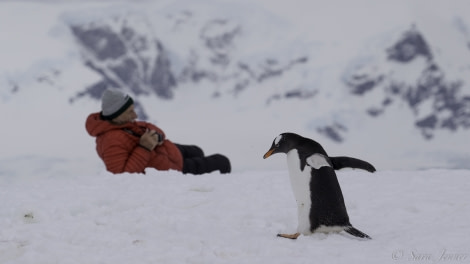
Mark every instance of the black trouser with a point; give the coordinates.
(190, 151)
(195, 162)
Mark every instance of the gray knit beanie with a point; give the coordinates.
(114, 103)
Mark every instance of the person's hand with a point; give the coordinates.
(150, 139)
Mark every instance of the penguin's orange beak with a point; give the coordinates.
(269, 153)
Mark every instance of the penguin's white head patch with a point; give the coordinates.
(277, 139)
(317, 161)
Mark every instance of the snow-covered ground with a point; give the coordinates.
(41, 68)
(166, 217)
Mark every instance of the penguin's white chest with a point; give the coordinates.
(300, 182)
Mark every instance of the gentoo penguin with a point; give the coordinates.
(320, 203)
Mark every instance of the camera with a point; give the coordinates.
(160, 136)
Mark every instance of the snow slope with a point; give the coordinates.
(57, 216)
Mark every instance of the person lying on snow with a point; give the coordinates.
(127, 145)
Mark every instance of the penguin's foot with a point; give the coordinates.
(290, 236)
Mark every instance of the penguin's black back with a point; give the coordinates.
(306, 147)
(328, 206)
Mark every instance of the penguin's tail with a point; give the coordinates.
(353, 231)
(348, 162)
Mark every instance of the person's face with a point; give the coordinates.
(127, 116)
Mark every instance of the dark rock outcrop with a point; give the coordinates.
(450, 109)
(126, 57)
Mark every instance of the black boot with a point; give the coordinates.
(219, 162)
(201, 165)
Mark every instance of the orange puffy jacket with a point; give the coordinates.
(118, 147)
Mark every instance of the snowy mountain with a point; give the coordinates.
(123, 48)
(388, 83)
(437, 103)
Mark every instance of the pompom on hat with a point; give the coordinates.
(114, 103)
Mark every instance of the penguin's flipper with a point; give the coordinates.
(348, 162)
(353, 231)
(290, 236)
